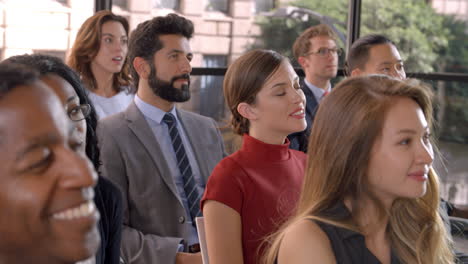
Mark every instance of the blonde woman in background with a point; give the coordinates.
(370, 194)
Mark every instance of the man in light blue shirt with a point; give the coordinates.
(154, 117)
(158, 155)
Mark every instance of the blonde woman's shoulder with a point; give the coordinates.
(303, 242)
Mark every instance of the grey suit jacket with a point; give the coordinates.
(132, 158)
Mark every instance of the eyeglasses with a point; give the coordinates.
(79, 112)
(323, 52)
(390, 69)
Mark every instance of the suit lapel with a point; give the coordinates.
(195, 136)
(139, 126)
(311, 103)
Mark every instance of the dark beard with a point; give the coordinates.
(166, 90)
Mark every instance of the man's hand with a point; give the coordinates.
(188, 258)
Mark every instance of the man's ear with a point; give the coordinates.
(247, 111)
(141, 67)
(356, 72)
(302, 61)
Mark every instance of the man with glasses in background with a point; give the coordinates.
(317, 53)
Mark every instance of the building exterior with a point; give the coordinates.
(458, 8)
(223, 28)
(32, 26)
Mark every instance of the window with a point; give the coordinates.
(264, 5)
(280, 27)
(170, 4)
(218, 5)
(440, 47)
(452, 139)
(56, 53)
(120, 3)
(211, 89)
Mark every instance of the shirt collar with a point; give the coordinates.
(318, 92)
(152, 112)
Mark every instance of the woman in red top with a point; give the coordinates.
(252, 192)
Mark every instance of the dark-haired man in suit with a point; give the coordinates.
(160, 156)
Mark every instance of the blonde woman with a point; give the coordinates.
(370, 194)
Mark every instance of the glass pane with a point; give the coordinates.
(120, 3)
(49, 27)
(55, 53)
(218, 5)
(280, 28)
(264, 5)
(430, 35)
(211, 89)
(451, 113)
(170, 4)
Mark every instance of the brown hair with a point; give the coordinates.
(358, 54)
(144, 41)
(348, 122)
(86, 47)
(302, 44)
(245, 78)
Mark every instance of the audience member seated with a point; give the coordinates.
(317, 53)
(251, 192)
(160, 156)
(46, 197)
(376, 54)
(370, 194)
(65, 83)
(99, 56)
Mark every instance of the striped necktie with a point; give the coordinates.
(190, 186)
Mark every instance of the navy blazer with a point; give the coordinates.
(108, 200)
(300, 140)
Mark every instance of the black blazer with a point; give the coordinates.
(108, 200)
(300, 140)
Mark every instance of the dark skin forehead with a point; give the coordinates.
(29, 113)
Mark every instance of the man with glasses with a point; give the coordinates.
(317, 53)
(374, 54)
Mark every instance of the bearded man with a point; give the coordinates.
(158, 155)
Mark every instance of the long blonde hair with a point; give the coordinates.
(347, 124)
